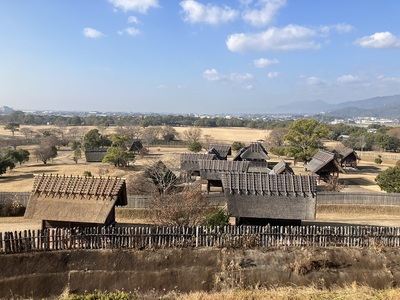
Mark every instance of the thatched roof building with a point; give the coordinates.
(220, 150)
(68, 201)
(255, 153)
(161, 176)
(325, 163)
(95, 154)
(210, 170)
(270, 196)
(190, 162)
(348, 157)
(282, 167)
(136, 146)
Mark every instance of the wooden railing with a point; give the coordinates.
(194, 237)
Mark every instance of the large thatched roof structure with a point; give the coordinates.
(348, 157)
(136, 146)
(73, 200)
(270, 196)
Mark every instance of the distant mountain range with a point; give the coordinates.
(380, 107)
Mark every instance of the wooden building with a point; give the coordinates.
(73, 201)
(255, 153)
(221, 151)
(136, 146)
(282, 167)
(95, 154)
(325, 164)
(210, 170)
(161, 176)
(190, 162)
(348, 157)
(261, 196)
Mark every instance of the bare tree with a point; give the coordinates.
(186, 208)
(192, 135)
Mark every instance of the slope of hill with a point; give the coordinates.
(381, 107)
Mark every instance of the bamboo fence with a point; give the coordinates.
(197, 237)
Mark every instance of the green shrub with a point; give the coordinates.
(378, 160)
(87, 174)
(217, 217)
(195, 147)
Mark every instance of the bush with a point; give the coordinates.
(87, 174)
(378, 160)
(217, 217)
(236, 146)
(195, 147)
(12, 209)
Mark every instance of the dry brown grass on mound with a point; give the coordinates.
(351, 292)
(358, 209)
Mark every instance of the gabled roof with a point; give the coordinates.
(74, 198)
(136, 146)
(344, 151)
(195, 157)
(160, 175)
(255, 151)
(224, 165)
(269, 184)
(322, 158)
(222, 149)
(95, 154)
(282, 167)
(216, 153)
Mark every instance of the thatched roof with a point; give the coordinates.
(95, 154)
(160, 175)
(74, 198)
(190, 161)
(255, 151)
(211, 169)
(282, 167)
(222, 149)
(136, 146)
(345, 152)
(269, 184)
(325, 159)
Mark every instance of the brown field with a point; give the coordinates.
(20, 179)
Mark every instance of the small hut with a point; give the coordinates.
(136, 146)
(325, 164)
(260, 196)
(95, 154)
(210, 170)
(255, 153)
(220, 150)
(73, 201)
(348, 157)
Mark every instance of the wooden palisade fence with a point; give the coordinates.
(195, 237)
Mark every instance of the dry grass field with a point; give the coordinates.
(20, 179)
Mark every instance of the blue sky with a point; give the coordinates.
(165, 56)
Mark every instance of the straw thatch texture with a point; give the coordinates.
(75, 199)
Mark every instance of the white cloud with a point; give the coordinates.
(133, 20)
(379, 40)
(135, 5)
(214, 75)
(265, 15)
(249, 87)
(92, 33)
(272, 74)
(385, 79)
(132, 31)
(211, 75)
(290, 37)
(264, 62)
(315, 81)
(196, 12)
(348, 79)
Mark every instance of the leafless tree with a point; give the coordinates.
(192, 135)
